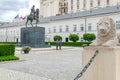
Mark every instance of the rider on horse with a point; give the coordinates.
(34, 15)
(33, 11)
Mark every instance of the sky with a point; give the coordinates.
(10, 8)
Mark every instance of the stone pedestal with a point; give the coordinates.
(33, 36)
(106, 65)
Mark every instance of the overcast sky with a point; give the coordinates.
(10, 8)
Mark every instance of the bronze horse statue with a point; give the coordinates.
(34, 15)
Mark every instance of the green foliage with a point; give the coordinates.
(8, 43)
(57, 37)
(89, 36)
(7, 49)
(8, 58)
(26, 48)
(73, 37)
(75, 44)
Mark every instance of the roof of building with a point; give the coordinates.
(99, 11)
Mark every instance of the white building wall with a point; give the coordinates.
(56, 7)
(10, 34)
(74, 6)
(81, 5)
(41, 8)
(69, 6)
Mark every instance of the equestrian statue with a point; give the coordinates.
(34, 15)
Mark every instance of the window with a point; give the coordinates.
(117, 24)
(77, 6)
(91, 3)
(89, 27)
(59, 9)
(71, 4)
(84, 4)
(81, 27)
(67, 28)
(71, 1)
(54, 30)
(75, 28)
(71, 7)
(60, 29)
(98, 2)
(49, 30)
(65, 4)
(108, 2)
(60, 4)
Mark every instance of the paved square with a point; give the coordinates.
(53, 64)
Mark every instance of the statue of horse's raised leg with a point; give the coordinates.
(26, 22)
(31, 22)
(36, 22)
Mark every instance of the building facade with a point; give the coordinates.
(59, 19)
(59, 7)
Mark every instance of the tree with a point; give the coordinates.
(73, 37)
(89, 37)
(57, 37)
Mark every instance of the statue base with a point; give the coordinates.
(106, 65)
(33, 36)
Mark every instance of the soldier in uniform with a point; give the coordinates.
(57, 44)
(60, 44)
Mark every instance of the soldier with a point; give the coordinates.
(60, 44)
(57, 44)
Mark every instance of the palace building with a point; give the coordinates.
(65, 17)
(60, 7)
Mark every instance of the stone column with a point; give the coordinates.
(106, 65)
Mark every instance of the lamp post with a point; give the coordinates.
(16, 39)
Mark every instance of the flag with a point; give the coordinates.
(20, 18)
(17, 16)
(24, 18)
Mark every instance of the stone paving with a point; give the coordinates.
(45, 64)
(6, 74)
